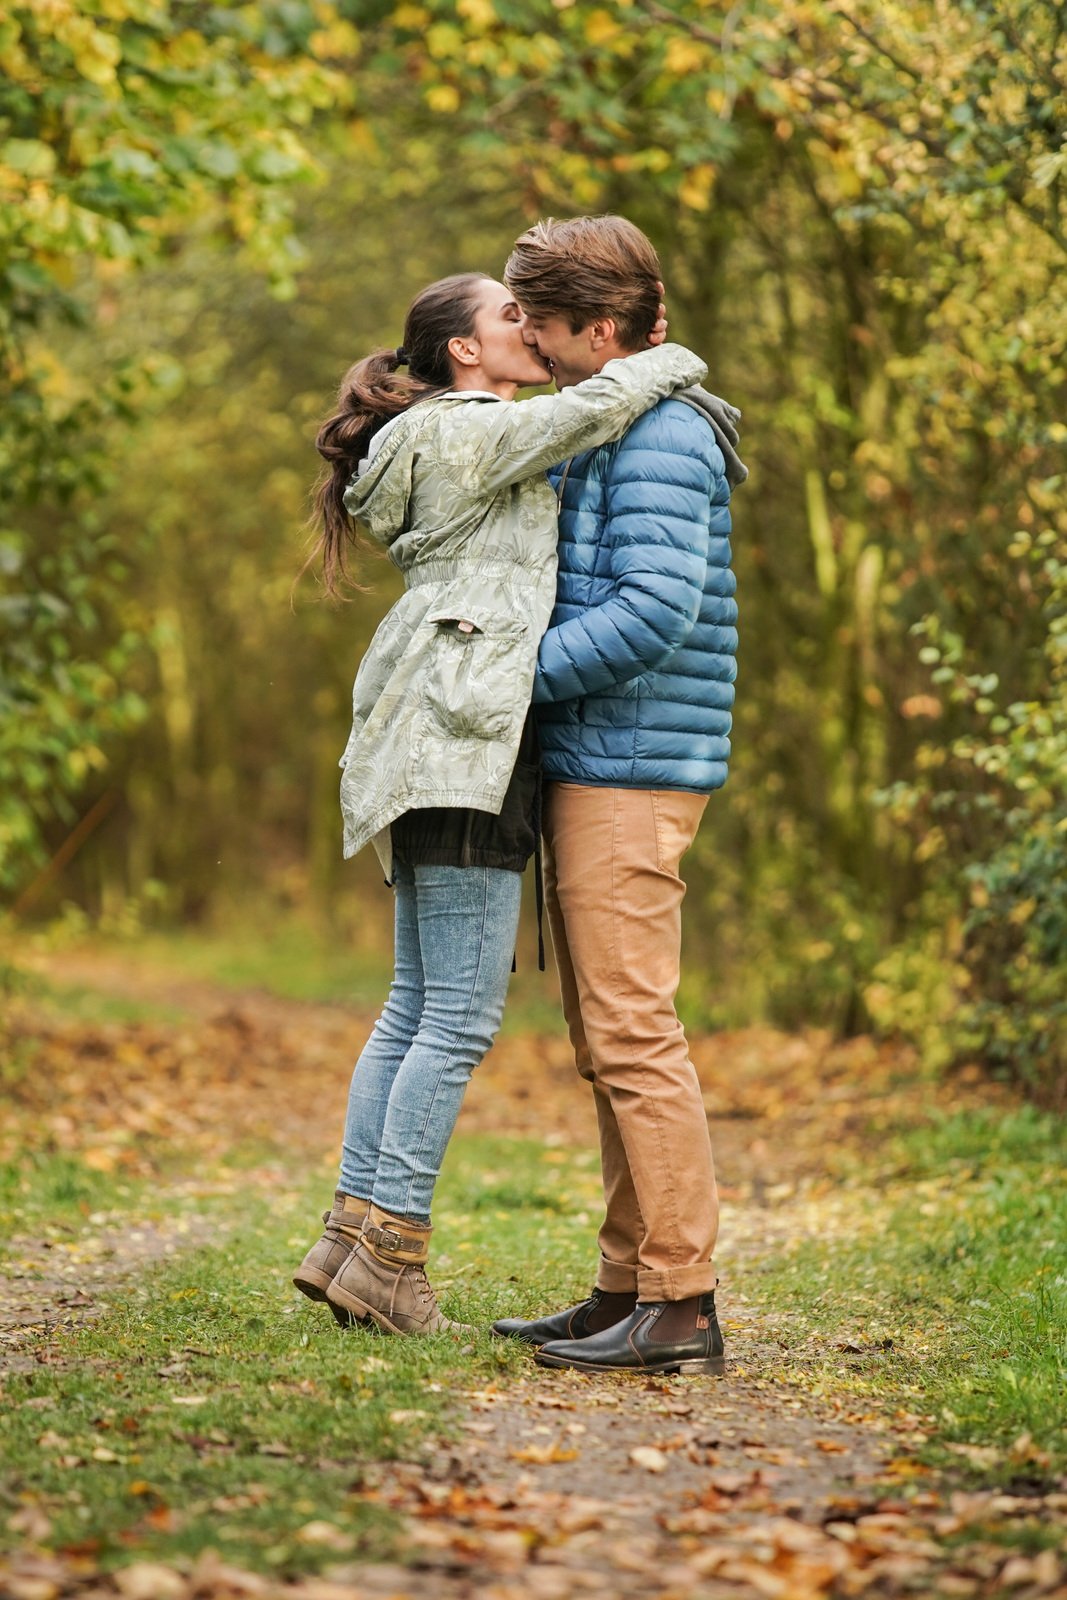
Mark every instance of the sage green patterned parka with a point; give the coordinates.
(455, 489)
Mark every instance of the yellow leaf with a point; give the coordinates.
(543, 1455)
(340, 39)
(443, 97)
(100, 1160)
(684, 56)
(444, 42)
(694, 191)
(601, 27)
(480, 12)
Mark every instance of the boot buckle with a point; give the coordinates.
(387, 1238)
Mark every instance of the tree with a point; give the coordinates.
(125, 129)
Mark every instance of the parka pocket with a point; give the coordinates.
(476, 670)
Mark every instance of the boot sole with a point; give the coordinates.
(359, 1310)
(315, 1285)
(710, 1366)
(366, 1315)
(520, 1338)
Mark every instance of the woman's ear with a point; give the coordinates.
(465, 350)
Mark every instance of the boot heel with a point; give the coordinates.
(715, 1366)
(312, 1282)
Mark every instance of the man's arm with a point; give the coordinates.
(666, 475)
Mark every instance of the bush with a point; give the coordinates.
(995, 984)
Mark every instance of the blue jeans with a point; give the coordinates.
(455, 938)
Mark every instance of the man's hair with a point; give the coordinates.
(587, 268)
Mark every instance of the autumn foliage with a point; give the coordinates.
(859, 208)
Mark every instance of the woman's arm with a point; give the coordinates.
(504, 444)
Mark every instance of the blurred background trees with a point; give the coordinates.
(859, 212)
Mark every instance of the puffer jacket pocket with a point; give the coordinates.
(476, 683)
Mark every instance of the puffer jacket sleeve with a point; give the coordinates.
(508, 443)
(659, 492)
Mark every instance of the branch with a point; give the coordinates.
(880, 48)
(660, 13)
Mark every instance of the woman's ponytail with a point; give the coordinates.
(373, 392)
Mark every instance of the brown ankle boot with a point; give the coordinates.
(385, 1278)
(326, 1258)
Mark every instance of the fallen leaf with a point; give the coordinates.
(32, 1523)
(647, 1456)
(326, 1535)
(150, 1580)
(543, 1455)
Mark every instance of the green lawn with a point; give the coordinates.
(962, 1265)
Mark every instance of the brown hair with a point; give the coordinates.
(374, 390)
(587, 268)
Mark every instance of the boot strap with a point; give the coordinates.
(398, 1246)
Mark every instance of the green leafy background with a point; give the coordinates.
(208, 212)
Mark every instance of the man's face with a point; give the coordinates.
(570, 356)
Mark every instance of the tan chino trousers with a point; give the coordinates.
(614, 895)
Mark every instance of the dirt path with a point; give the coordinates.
(564, 1485)
(57, 1277)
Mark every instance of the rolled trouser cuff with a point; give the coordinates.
(675, 1283)
(616, 1277)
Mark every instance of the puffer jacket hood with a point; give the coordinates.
(725, 423)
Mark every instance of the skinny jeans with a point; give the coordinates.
(455, 939)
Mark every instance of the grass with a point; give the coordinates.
(296, 959)
(75, 1003)
(962, 1264)
(211, 1406)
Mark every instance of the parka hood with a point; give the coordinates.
(379, 493)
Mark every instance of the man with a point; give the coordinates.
(633, 694)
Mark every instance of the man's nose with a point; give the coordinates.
(528, 335)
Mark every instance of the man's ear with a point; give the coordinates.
(466, 350)
(601, 332)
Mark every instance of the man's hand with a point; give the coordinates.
(659, 331)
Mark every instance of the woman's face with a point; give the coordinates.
(499, 327)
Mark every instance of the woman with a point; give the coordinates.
(440, 767)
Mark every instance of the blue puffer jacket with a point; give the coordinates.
(634, 685)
